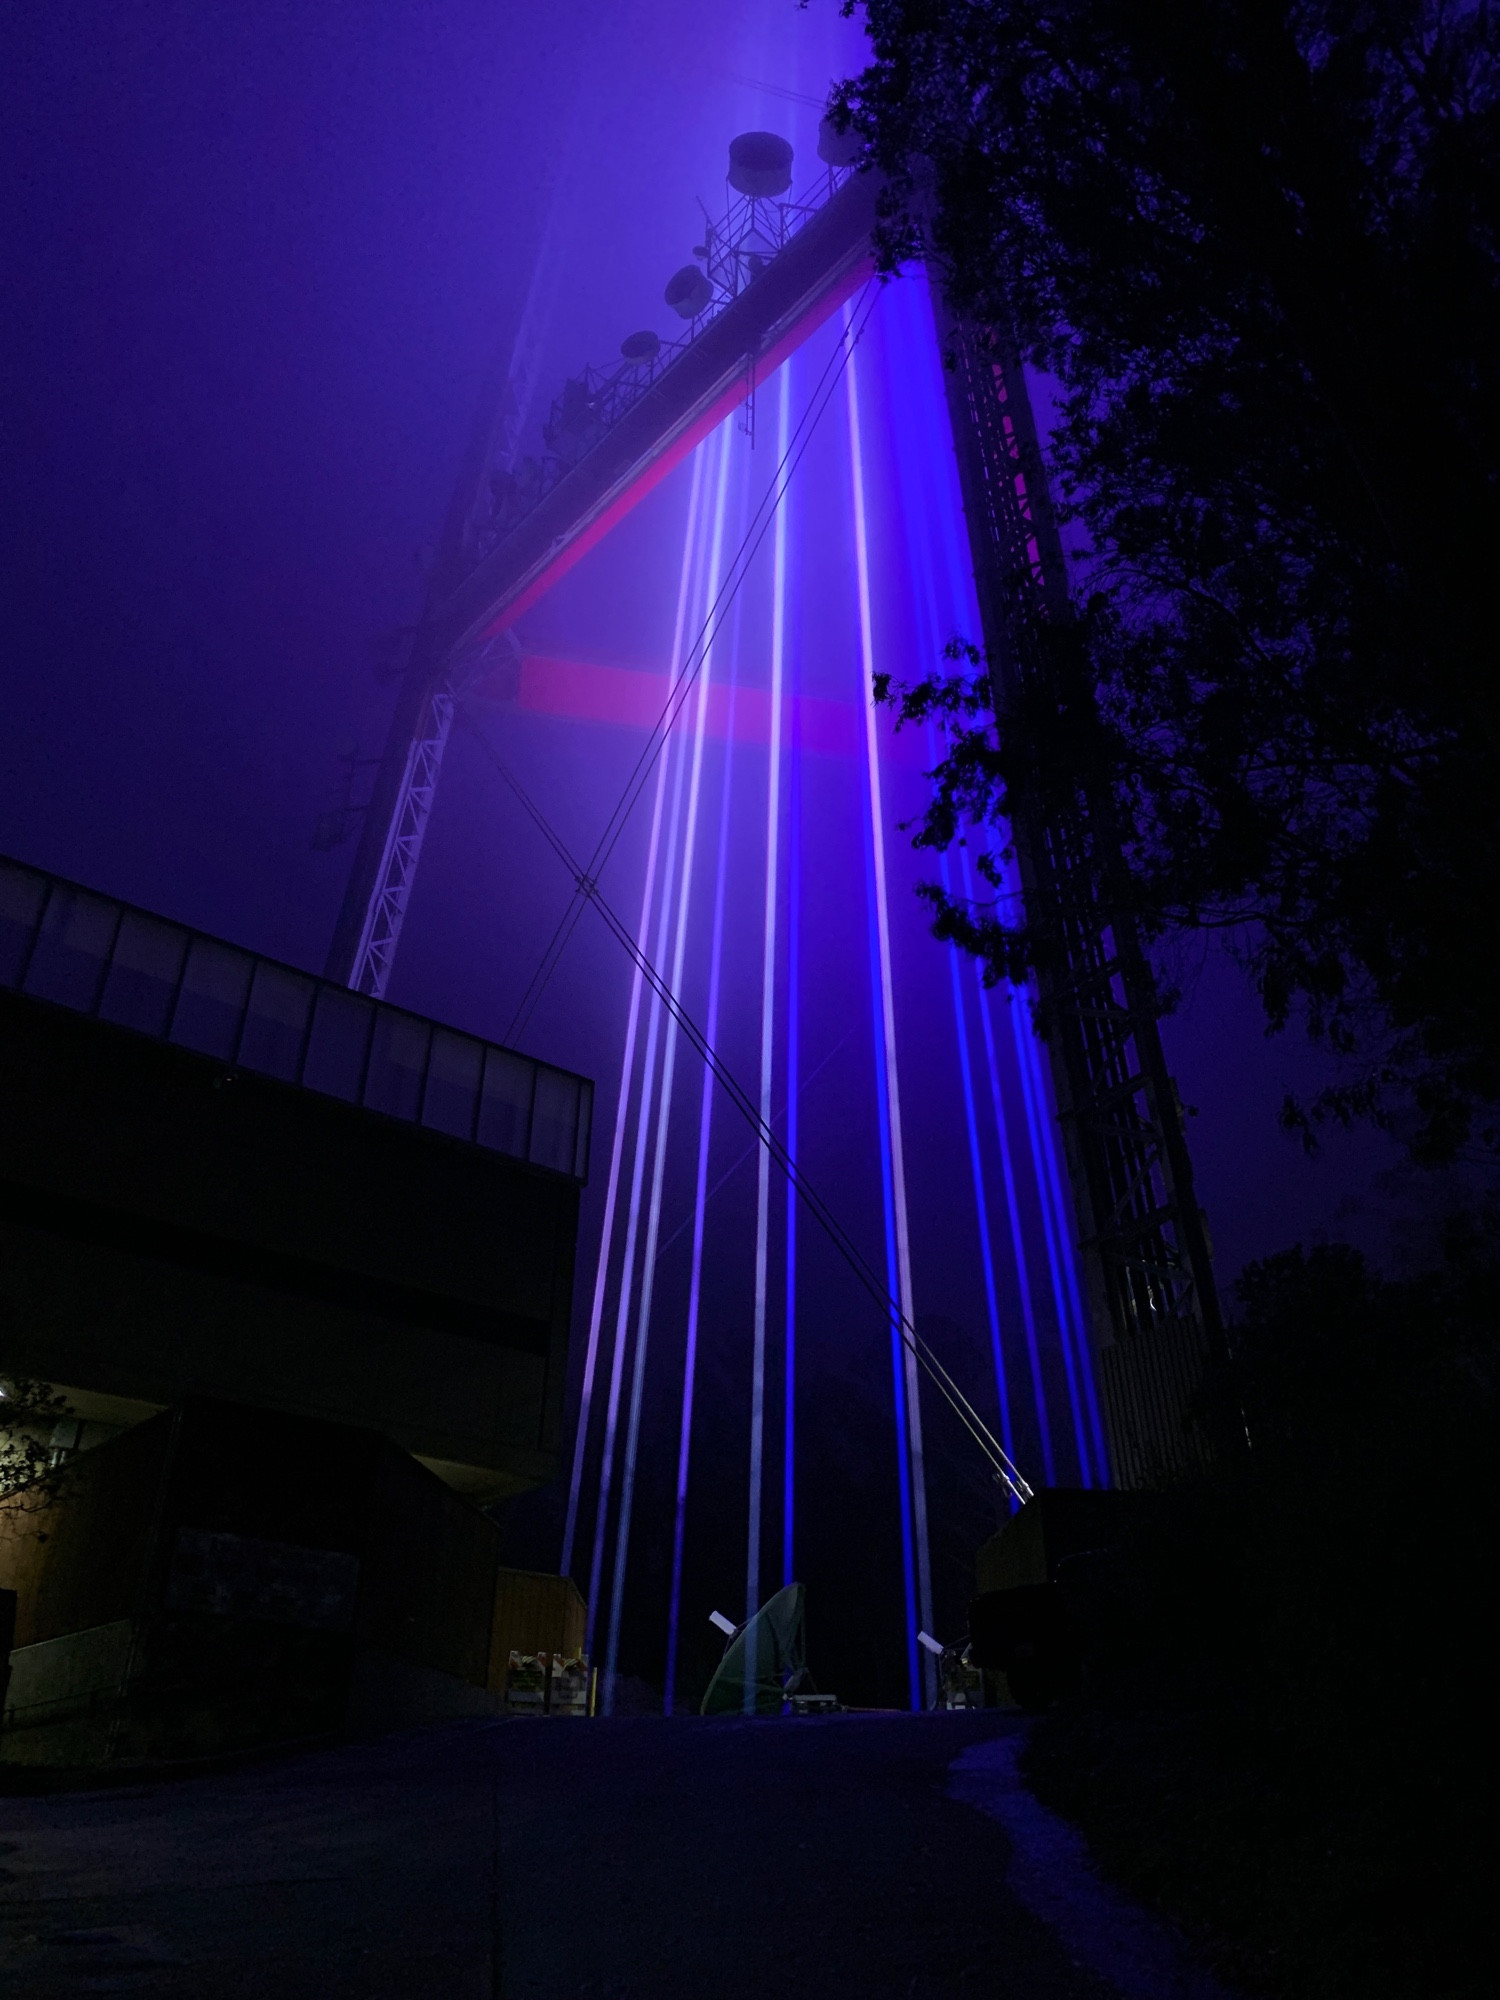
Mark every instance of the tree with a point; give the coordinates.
(1233, 1755)
(1257, 244)
(29, 1413)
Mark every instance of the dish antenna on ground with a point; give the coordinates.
(765, 1662)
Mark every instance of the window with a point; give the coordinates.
(554, 1124)
(398, 1060)
(451, 1103)
(339, 1044)
(21, 897)
(505, 1112)
(211, 1003)
(143, 974)
(72, 948)
(276, 1024)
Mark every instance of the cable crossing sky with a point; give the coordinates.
(715, 784)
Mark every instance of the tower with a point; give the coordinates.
(776, 270)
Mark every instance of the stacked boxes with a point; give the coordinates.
(570, 1689)
(548, 1684)
(526, 1684)
(537, 1659)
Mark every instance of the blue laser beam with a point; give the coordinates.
(923, 1675)
(690, 556)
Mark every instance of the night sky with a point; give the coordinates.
(258, 261)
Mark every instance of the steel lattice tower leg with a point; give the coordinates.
(1155, 1310)
(395, 820)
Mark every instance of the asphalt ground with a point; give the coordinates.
(806, 1859)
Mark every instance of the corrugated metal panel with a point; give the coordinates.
(534, 1613)
(1151, 1382)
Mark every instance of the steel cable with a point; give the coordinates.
(587, 890)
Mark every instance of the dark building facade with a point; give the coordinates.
(222, 1177)
(222, 1576)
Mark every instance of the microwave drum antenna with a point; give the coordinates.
(760, 164)
(688, 292)
(836, 148)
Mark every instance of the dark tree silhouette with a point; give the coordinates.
(1257, 245)
(29, 1413)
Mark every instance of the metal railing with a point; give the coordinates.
(75, 948)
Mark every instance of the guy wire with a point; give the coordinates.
(588, 890)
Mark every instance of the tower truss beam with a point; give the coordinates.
(1145, 1246)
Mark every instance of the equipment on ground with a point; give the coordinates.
(765, 1664)
(1051, 1583)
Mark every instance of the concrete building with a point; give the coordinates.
(273, 1243)
(219, 1176)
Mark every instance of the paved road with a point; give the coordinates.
(687, 1860)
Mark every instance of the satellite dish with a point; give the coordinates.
(760, 163)
(836, 148)
(688, 292)
(641, 346)
(765, 1663)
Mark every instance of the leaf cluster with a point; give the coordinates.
(1256, 246)
(29, 1411)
